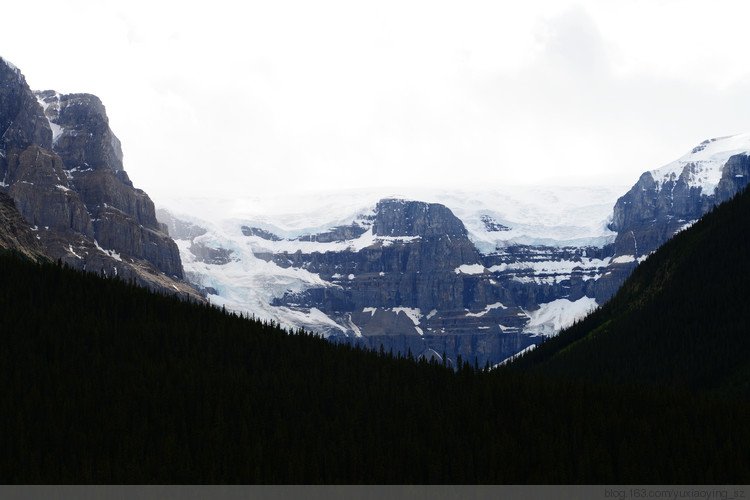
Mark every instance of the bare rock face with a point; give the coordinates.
(735, 177)
(15, 233)
(63, 167)
(421, 286)
(654, 210)
(39, 185)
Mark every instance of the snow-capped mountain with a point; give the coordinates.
(703, 166)
(477, 274)
(670, 199)
(481, 274)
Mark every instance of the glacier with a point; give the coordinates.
(248, 282)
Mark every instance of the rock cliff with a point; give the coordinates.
(15, 233)
(672, 198)
(63, 166)
(405, 276)
(410, 275)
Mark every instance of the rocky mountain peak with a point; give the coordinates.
(81, 133)
(398, 217)
(63, 166)
(22, 120)
(669, 199)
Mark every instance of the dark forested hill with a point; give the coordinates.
(105, 382)
(682, 318)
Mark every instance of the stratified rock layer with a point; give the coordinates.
(62, 165)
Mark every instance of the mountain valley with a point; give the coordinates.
(476, 275)
(347, 338)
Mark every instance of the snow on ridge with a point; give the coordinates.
(9, 64)
(536, 215)
(548, 216)
(552, 317)
(707, 160)
(515, 356)
(13, 68)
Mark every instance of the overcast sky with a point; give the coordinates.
(230, 97)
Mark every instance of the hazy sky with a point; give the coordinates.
(272, 96)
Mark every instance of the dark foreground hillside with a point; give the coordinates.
(103, 382)
(681, 319)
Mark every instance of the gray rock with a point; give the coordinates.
(653, 211)
(418, 267)
(261, 233)
(62, 165)
(15, 233)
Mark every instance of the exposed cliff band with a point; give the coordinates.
(63, 167)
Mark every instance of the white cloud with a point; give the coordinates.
(302, 95)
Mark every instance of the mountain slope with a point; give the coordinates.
(62, 165)
(405, 274)
(15, 233)
(365, 268)
(106, 382)
(682, 318)
(669, 199)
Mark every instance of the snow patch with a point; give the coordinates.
(553, 316)
(470, 269)
(70, 249)
(57, 130)
(564, 267)
(111, 253)
(487, 309)
(623, 259)
(515, 356)
(415, 315)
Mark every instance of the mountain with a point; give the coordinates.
(480, 275)
(63, 167)
(410, 275)
(670, 199)
(681, 319)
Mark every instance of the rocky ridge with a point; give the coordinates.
(62, 165)
(670, 199)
